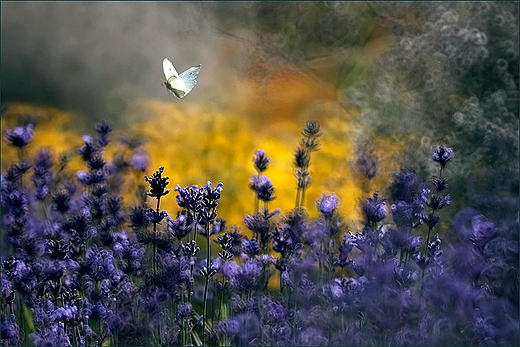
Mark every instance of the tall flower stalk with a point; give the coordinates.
(441, 156)
(208, 214)
(302, 156)
(157, 190)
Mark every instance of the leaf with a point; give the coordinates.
(196, 338)
(28, 318)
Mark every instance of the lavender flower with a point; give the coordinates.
(140, 160)
(438, 202)
(42, 174)
(103, 128)
(157, 184)
(138, 217)
(374, 209)
(404, 186)
(182, 226)
(10, 331)
(89, 149)
(261, 160)
(87, 281)
(61, 200)
(442, 155)
(245, 277)
(327, 203)
(263, 187)
(20, 136)
(250, 247)
(366, 161)
(52, 336)
(189, 197)
(301, 158)
(259, 223)
(226, 243)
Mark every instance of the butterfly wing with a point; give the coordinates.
(169, 70)
(189, 77)
(179, 85)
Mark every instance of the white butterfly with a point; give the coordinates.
(181, 84)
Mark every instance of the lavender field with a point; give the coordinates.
(348, 176)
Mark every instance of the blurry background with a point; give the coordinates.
(392, 79)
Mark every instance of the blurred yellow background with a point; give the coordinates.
(215, 140)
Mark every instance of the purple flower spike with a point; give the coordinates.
(442, 155)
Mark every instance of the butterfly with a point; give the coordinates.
(182, 84)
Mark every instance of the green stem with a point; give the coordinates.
(302, 196)
(296, 204)
(208, 267)
(154, 245)
(20, 158)
(427, 241)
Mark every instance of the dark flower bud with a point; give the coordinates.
(431, 220)
(283, 241)
(402, 214)
(87, 179)
(301, 158)
(230, 243)
(234, 232)
(204, 270)
(154, 216)
(9, 267)
(225, 241)
(58, 249)
(438, 202)
(191, 249)
(78, 225)
(157, 184)
(311, 129)
(303, 177)
(310, 144)
(442, 156)
(138, 217)
(88, 149)
(440, 184)
(261, 160)
(189, 197)
(435, 245)
(20, 136)
(212, 194)
(96, 162)
(404, 186)
(374, 209)
(99, 190)
(103, 128)
(61, 200)
(98, 176)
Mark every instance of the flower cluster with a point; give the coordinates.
(80, 269)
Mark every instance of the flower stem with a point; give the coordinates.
(208, 259)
